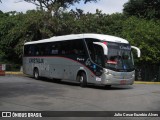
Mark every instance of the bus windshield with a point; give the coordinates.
(119, 57)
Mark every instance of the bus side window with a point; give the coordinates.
(78, 47)
(63, 47)
(26, 50)
(30, 49)
(36, 50)
(54, 49)
(72, 47)
(46, 51)
(42, 49)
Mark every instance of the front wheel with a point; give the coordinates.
(36, 73)
(82, 79)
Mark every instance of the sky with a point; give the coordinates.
(106, 6)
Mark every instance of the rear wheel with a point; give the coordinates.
(107, 86)
(57, 80)
(36, 73)
(82, 79)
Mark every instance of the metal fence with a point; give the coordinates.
(148, 72)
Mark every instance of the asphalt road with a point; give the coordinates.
(22, 93)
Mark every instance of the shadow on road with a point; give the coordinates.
(100, 87)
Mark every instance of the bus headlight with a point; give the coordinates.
(133, 75)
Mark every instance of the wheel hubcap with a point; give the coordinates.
(81, 79)
(36, 74)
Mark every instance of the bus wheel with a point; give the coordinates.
(107, 86)
(57, 80)
(83, 79)
(36, 73)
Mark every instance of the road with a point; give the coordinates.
(22, 93)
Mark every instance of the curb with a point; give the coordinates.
(148, 83)
(14, 73)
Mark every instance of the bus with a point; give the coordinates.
(85, 58)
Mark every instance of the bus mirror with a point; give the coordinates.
(138, 50)
(105, 48)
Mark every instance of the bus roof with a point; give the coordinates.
(80, 36)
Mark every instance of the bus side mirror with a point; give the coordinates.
(105, 48)
(138, 50)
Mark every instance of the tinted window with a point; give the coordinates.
(28, 50)
(95, 51)
(54, 48)
(71, 47)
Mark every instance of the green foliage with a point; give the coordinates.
(143, 8)
(144, 34)
(17, 28)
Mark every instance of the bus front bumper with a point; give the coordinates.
(118, 82)
(118, 78)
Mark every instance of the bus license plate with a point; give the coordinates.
(123, 82)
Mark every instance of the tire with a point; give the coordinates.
(36, 74)
(82, 78)
(108, 86)
(57, 80)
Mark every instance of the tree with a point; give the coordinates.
(143, 8)
(55, 5)
(144, 34)
(15, 29)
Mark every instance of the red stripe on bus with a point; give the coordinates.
(62, 57)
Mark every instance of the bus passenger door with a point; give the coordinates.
(96, 54)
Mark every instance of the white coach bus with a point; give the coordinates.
(85, 58)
